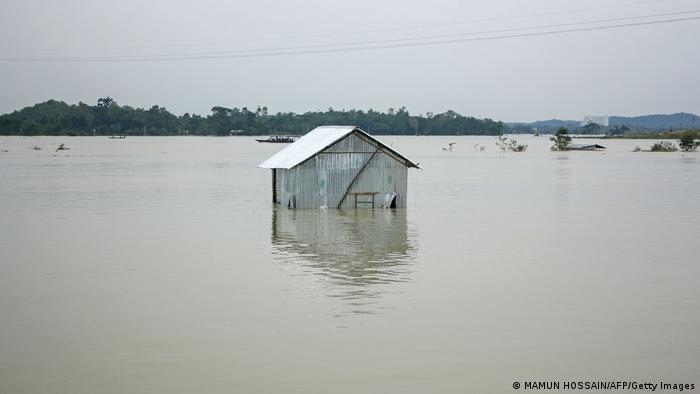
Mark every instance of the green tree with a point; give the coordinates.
(663, 146)
(106, 102)
(687, 142)
(619, 130)
(221, 120)
(590, 128)
(561, 139)
(108, 117)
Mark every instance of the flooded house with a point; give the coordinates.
(585, 147)
(339, 167)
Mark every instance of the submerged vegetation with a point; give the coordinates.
(109, 118)
(663, 146)
(561, 139)
(509, 144)
(687, 142)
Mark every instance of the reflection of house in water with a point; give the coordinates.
(357, 251)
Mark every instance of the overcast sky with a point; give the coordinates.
(634, 70)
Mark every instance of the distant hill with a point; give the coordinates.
(649, 123)
(542, 126)
(642, 124)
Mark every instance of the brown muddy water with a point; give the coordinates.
(158, 265)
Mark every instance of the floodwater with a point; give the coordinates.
(158, 265)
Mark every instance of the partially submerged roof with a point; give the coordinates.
(585, 146)
(316, 141)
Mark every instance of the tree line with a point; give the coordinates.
(107, 117)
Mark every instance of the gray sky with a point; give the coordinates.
(626, 71)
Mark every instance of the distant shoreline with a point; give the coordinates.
(664, 135)
(673, 135)
(107, 117)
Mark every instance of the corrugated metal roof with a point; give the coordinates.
(585, 146)
(315, 141)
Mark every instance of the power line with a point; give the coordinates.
(495, 19)
(345, 49)
(379, 30)
(406, 39)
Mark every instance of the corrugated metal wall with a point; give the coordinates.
(322, 180)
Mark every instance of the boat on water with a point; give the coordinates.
(279, 139)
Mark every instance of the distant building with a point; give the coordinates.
(339, 167)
